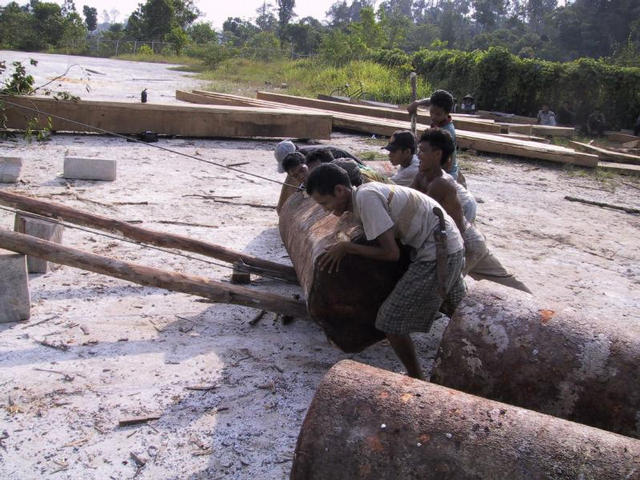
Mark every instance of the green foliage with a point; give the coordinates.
(19, 82)
(90, 17)
(504, 82)
(145, 51)
(178, 38)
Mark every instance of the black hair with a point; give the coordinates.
(440, 140)
(351, 167)
(442, 99)
(292, 160)
(322, 155)
(324, 178)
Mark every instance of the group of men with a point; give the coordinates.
(424, 207)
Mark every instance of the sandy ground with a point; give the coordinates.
(135, 351)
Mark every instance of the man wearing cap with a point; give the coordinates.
(402, 152)
(468, 106)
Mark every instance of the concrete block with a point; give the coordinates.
(49, 231)
(10, 168)
(89, 168)
(15, 302)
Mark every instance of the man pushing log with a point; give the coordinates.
(389, 213)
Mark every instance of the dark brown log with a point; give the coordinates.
(507, 346)
(344, 303)
(161, 239)
(366, 423)
(153, 277)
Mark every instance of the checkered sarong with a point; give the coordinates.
(414, 303)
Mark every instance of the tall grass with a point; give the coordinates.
(310, 77)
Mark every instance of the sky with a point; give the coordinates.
(215, 11)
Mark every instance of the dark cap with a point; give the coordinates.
(401, 140)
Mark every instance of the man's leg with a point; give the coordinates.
(403, 347)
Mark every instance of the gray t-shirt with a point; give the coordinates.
(405, 175)
(381, 206)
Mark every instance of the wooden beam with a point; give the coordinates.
(607, 155)
(151, 277)
(620, 137)
(161, 239)
(471, 124)
(187, 120)
(483, 142)
(534, 129)
(622, 168)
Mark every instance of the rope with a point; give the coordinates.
(118, 135)
(134, 242)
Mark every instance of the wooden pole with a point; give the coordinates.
(149, 276)
(366, 423)
(161, 239)
(414, 97)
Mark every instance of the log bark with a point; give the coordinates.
(367, 423)
(344, 303)
(161, 239)
(148, 276)
(507, 346)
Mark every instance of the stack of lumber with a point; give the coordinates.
(483, 142)
(533, 129)
(612, 160)
(193, 120)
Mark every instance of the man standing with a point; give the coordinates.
(402, 152)
(546, 117)
(433, 281)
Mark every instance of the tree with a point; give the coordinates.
(202, 33)
(155, 18)
(178, 38)
(90, 17)
(285, 14)
(266, 20)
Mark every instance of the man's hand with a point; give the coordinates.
(332, 256)
(413, 107)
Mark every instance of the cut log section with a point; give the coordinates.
(506, 346)
(161, 239)
(191, 120)
(367, 423)
(345, 303)
(152, 277)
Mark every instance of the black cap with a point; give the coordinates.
(401, 140)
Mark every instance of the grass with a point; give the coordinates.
(311, 77)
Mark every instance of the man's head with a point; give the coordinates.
(441, 105)
(294, 165)
(318, 157)
(545, 108)
(330, 187)
(283, 149)
(435, 149)
(401, 147)
(351, 167)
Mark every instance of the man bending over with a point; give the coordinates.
(389, 213)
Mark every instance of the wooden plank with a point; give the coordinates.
(160, 239)
(607, 155)
(187, 120)
(533, 129)
(622, 168)
(483, 142)
(149, 276)
(620, 137)
(506, 117)
(476, 125)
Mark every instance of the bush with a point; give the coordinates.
(502, 81)
(145, 50)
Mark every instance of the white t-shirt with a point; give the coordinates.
(405, 175)
(381, 206)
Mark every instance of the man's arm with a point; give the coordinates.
(445, 194)
(386, 249)
(413, 107)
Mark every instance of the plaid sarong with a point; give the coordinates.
(414, 303)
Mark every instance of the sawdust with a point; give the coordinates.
(231, 396)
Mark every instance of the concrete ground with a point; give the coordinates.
(230, 397)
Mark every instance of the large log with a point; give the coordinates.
(366, 423)
(187, 120)
(152, 277)
(344, 303)
(509, 347)
(161, 239)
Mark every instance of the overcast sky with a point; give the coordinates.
(214, 11)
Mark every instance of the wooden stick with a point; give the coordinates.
(149, 276)
(161, 239)
(602, 204)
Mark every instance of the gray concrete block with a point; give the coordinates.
(10, 168)
(49, 231)
(89, 168)
(15, 302)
